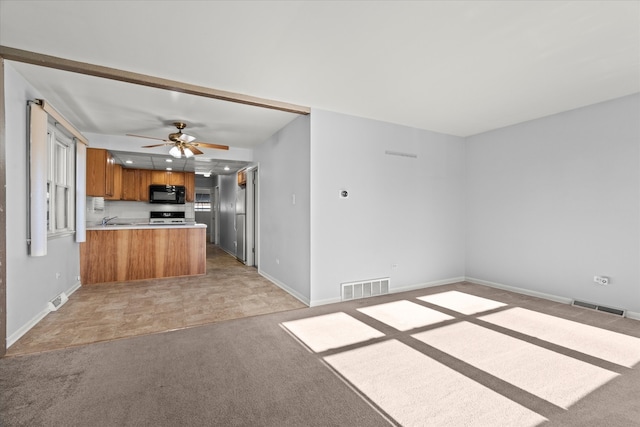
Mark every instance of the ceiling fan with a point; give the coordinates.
(184, 145)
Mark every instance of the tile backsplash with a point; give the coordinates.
(98, 208)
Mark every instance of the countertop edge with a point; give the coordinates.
(143, 226)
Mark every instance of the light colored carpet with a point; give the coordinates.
(607, 345)
(335, 330)
(404, 315)
(461, 302)
(418, 391)
(559, 379)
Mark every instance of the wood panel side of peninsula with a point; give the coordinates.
(134, 254)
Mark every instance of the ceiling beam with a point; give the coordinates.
(49, 61)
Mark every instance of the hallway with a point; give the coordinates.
(109, 311)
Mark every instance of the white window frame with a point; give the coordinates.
(60, 183)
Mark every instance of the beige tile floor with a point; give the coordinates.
(108, 311)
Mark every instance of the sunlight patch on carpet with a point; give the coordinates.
(418, 391)
(607, 345)
(461, 302)
(552, 376)
(329, 331)
(404, 315)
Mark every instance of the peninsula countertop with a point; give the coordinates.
(144, 226)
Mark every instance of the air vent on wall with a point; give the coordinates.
(597, 307)
(364, 289)
(58, 301)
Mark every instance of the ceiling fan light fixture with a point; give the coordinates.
(175, 152)
(186, 138)
(187, 152)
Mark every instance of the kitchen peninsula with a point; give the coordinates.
(115, 253)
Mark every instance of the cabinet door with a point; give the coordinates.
(144, 181)
(109, 175)
(96, 167)
(130, 184)
(190, 186)
(159, 177)
(175, 178)
(117, 184)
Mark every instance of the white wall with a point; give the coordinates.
(400, 210)
(284, 226)
(553, 202)
(31, 281)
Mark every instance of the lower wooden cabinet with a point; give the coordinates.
(139, 253)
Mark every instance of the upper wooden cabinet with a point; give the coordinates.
(130, 185)
(190, 186)
(116, 193)
(113, 182)
(100, 173)
(144, 181)
(167, 177)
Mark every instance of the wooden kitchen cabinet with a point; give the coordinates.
(116, 193)
(124, 255)
(190, 186)
(100, 173)
(144, 181)
(167, 177)
(159, 177)
(175, 178)
(130, 185)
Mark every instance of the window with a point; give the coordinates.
(203, 202)
(60, 183)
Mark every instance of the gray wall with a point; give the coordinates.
(553, 202)
(400, 210)
(31, 281)
(284, 243)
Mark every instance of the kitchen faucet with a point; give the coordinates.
(105, 220)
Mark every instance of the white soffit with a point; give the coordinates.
(457, 67)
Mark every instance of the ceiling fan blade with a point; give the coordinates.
(155, 145)
(148, 137)
(206, 145)
(193, 149)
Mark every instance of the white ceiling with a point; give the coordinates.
(457, 67)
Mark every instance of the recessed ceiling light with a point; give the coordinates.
(226, 168)
(128, 162)
(169, 169)
(168, 160)
(207, 175)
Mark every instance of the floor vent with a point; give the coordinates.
(615, 311)
(58, 301)
(368, 288)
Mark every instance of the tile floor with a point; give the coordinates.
(108, 311)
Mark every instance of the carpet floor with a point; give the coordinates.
(259, 371)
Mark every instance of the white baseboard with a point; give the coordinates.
(542, 295)
(632, 315)
(425, 285)
(11, 339)
(279, 284)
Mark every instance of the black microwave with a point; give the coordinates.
(167, 194)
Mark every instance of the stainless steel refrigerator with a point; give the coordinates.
(241, 225)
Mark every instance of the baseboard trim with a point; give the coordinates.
(542, 295)
(11, 339)
(632, 315)
(286, 288)
(425, 285)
